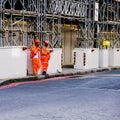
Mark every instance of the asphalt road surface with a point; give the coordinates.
(95, 96)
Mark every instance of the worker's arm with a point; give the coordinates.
(44, 51)
(51, 50)
(34, 51)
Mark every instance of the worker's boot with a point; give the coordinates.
(44, 73)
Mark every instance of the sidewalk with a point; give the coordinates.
(65, 72)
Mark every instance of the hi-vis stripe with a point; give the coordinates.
(84, 59)
(74, 57)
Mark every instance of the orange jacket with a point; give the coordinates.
(34, 52)
(45, 56)
(44, 50)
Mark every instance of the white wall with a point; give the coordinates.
(13, 62)
(55, 61)
(114, 57)
(92, 58)
(103, 58)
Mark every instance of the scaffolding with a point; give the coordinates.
(21, 21)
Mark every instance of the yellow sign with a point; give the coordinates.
(106, 43)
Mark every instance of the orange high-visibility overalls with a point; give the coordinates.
(35, 56)
(45, 57)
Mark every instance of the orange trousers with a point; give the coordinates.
(45, 61)
(35, 65)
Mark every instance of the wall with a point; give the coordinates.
(13, 62)
(114, 57)
(86, 58)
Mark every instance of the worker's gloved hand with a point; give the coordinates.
(51, 50)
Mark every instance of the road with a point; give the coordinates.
(95, 96)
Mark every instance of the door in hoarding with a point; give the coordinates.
(68, 45)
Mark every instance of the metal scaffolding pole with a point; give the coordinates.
(1, 18)
(23, 20)
(109, 22)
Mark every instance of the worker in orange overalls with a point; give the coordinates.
(45, 57)
(35, 56)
